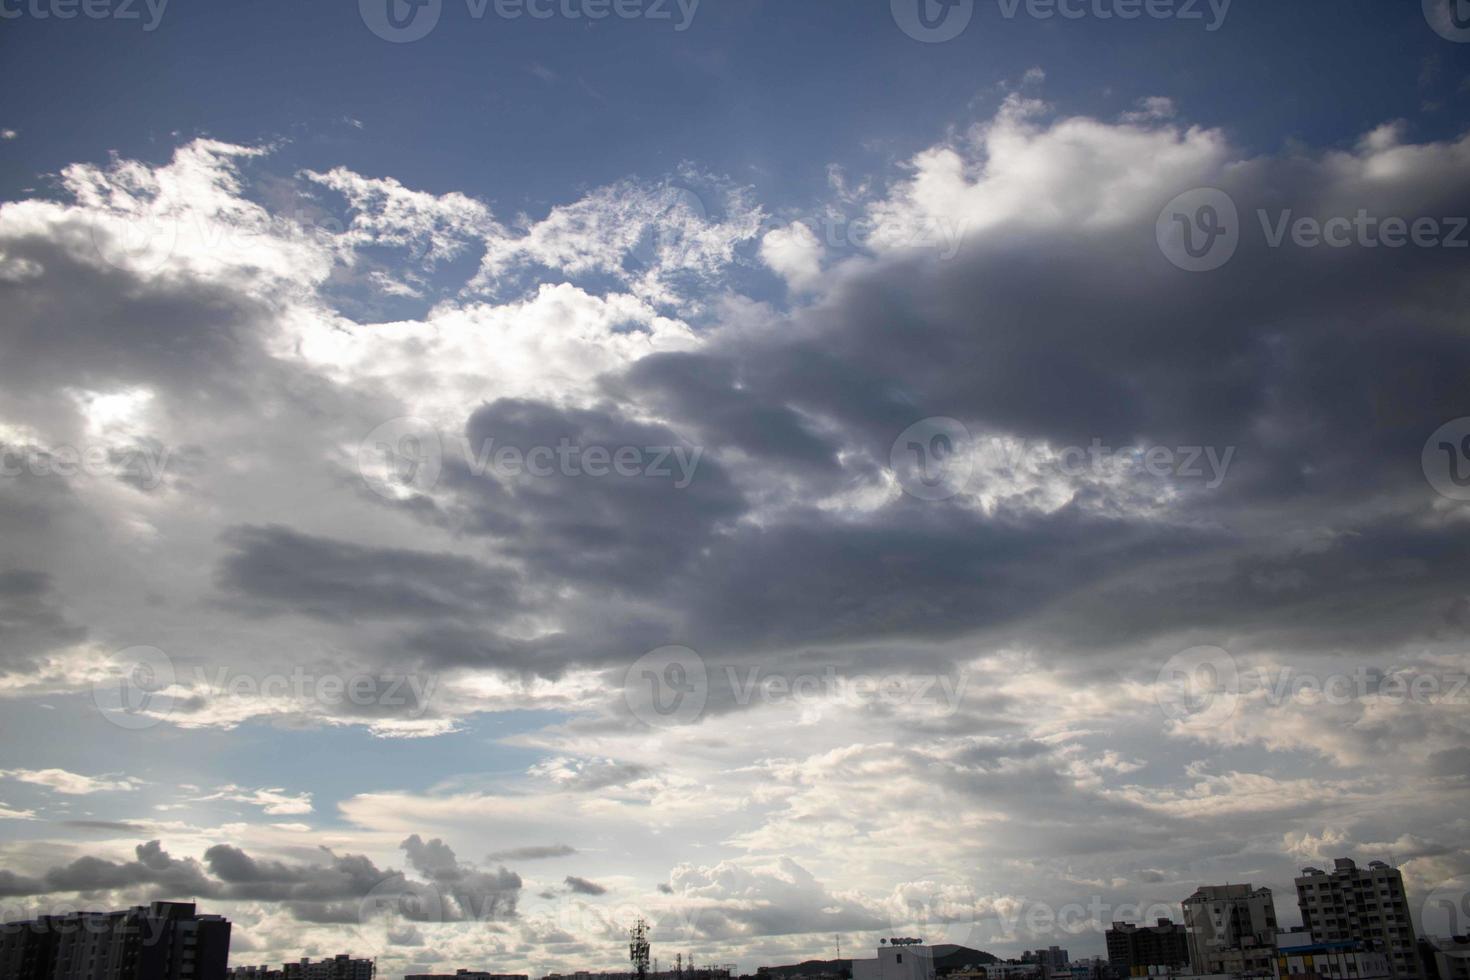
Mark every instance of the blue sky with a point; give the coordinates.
(766, 92)
(977, 540)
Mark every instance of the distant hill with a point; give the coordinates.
(947, 957)
(807, 968)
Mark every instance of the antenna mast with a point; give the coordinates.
(638, 949)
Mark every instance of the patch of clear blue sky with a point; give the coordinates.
(525, 113)
(330, 763)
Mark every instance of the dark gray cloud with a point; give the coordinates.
(32, 620)
(532, 853)
(637, 530)
(275, 569)
(107, 327)
(582, 886)
(336, 888)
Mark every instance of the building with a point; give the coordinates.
(900, 959)
(1445, 957)
(343, 966)
(161, 941)
(1231, 929)
(1133, 949)
(1053, 959)
(1300, 956)
(466, 975)
(1365, 904)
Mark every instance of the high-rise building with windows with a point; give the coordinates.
(1366, 904)
(162, 941)
(1133, 950)
(1231, 929)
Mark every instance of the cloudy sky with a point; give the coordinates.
(476, 473)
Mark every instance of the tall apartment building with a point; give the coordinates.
(162, 941)
(1231, 929)
(1133, 949)
(1366, 904)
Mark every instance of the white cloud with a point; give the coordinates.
(71, 783)
(276, 802)
(793, 253)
